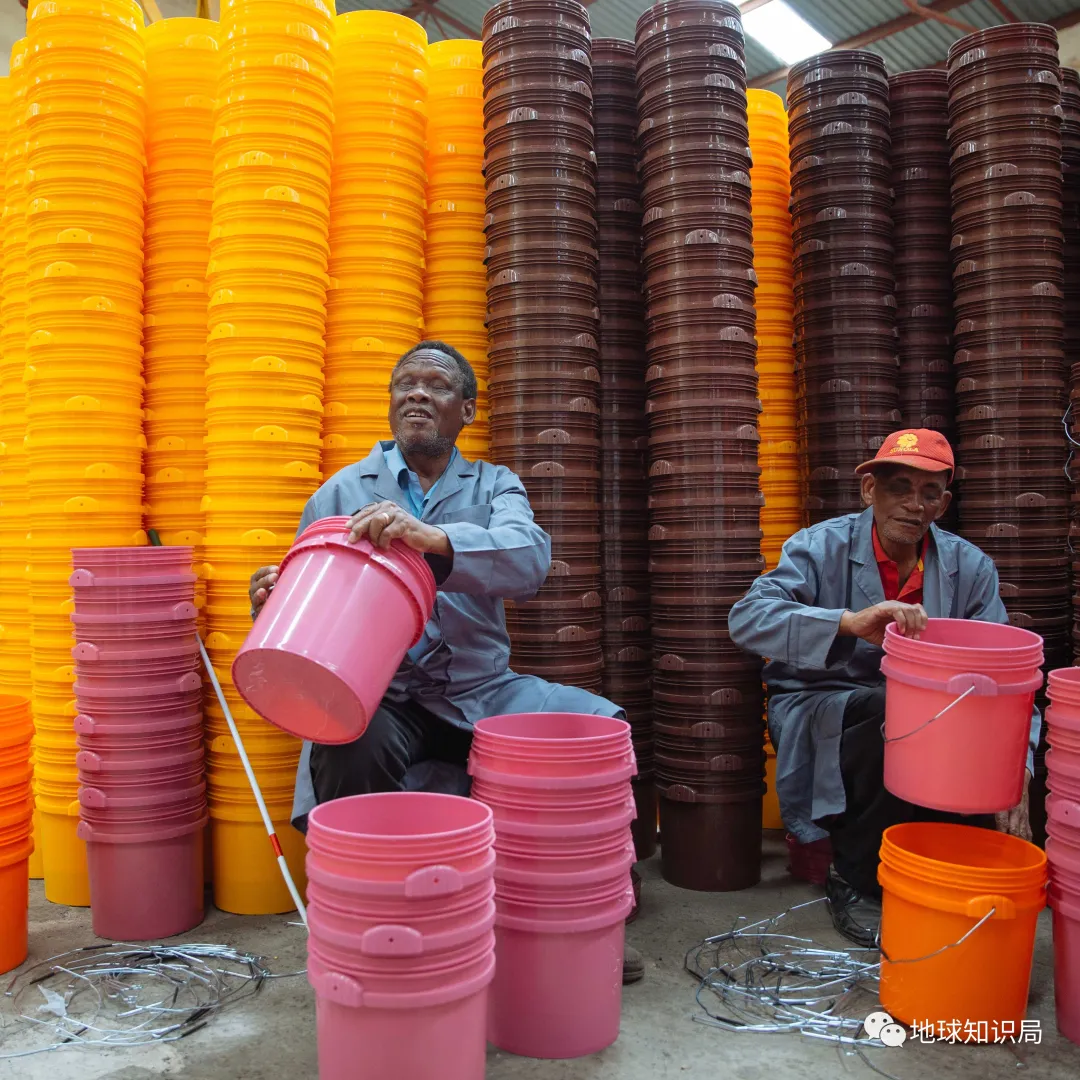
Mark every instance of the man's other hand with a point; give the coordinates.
(262, 581)
(383, 522)
(1017, 821)
(871, 623)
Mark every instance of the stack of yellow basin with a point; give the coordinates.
(14, 490)
(85, 124)
(264, 378)
(374, 310)
(181, 82)
(770, 180)
(455, 280)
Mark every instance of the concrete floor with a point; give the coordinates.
(272, 1036)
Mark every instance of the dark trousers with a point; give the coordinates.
(402, 738)
(870, 809)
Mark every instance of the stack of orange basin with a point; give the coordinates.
(85, 127)
(374, 307)
(267, 313)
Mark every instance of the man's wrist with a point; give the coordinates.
(845, 627)
(439, 543)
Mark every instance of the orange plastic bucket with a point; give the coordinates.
(938, 882)
(14, 903)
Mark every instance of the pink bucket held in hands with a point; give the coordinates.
(333, 633)
(958, 713)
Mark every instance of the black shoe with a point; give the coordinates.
(633, 966)
(855, 917)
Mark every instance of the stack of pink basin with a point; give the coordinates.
(142, 796)
(559, 787)
(1063, 842)
(401, 948)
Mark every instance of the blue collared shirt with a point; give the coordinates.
(409, 482)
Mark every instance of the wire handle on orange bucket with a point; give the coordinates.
(944, 948)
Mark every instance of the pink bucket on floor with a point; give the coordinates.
(1066, 921)
(147, 887)
(432, 1036)
(556, 995)
(401, 836)
(971, 759)
(333, 633)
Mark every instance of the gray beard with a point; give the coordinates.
(429, 446)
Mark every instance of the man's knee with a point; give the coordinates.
(375, 762)
(865, 704)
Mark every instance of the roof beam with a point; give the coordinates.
(1066, 21)
(874, 33)
(1004, 10)
(428, 6)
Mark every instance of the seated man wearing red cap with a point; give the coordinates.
(820, 618)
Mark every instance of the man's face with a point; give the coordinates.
(906, 501)
(427, 410)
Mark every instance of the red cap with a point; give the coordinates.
(915, 448)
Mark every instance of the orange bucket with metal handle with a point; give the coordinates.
(959, 908)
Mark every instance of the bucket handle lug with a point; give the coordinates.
(1064, 811)
(342, 989)
(431, 881)
(391, 940)
(1000, 907)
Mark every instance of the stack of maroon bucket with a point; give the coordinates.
(540, 176)
(704, 501)
(559, 787)
(845, 303)
(138, 691)
(1008, 278)
(922, 231)
(624, 506)
(1070, 222)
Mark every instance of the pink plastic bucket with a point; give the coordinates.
(165, 759)
(333, 633)
(142, 799)
(970, 759)
(149, 655)
(146, 888)
(555, 745)
(116, 827)
(395, 835)
(439, 1035)
(1063, 774)
(111, 562)
(551, 796)
(1066, 919)
(149, 726)
(92, 696)
(556, 995)
(1063, 690)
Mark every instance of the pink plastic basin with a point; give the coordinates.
(556, 995)
(1066, 919)
(147, 890)
(438, 1035)
(393, 835)
(333, 633)
(971, 760)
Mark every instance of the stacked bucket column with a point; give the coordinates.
(455, 281)
(1007, 249)
(1063, 843)
(778, 453)
(142, 796)
(14, 476)
(181, 81)
(919, 108)
(1070, 222)
(540, 173)
(845, 304)
(16, 827)
(85, 190)
(624, 508)
(376, 224)
(267, 312)
(705, 538)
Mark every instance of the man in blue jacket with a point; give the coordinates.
(820, 618)
(473, 523)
